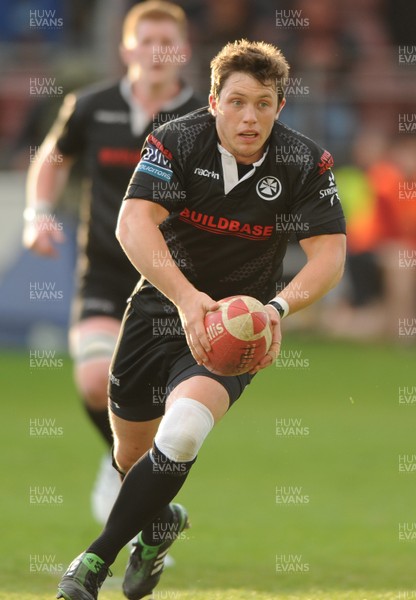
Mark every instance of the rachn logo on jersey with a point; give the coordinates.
(206, 173)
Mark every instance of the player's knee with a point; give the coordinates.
(91, 352)
(124, 459)
(183, 430)
(92, 385)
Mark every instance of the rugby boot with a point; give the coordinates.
(146, 563)
(83, 578)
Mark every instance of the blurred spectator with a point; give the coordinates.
(395, 216)
(379, 193)
(360, 196)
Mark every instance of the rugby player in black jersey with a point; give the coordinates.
(105, 126)
(202, 219)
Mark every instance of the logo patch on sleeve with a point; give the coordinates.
(154, 170)
(325, 163)
(160, 147)
(331, 190)
(155, 163)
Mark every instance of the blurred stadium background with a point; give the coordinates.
(352, 89)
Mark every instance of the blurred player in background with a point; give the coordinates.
(104, 126)
(209, 199)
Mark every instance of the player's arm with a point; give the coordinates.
(49, 173)
(325, 256)
(139, 235)
(324, 268)
(46, 180)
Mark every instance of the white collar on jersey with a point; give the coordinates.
(230, 169)
(139, 119)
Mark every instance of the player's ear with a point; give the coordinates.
(280, 108)
(212, 104)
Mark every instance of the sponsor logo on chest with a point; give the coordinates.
(269, 188)
(226, 226)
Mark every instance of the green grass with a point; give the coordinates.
(233, 594)
(340, 543)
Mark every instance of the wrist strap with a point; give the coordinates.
(31, 213)
(281, 306)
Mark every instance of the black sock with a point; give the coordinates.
(148, 488)
(102, 423)
(153, 533)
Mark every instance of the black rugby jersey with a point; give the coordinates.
(228, 235)
(96, 126)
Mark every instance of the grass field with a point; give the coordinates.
(305, 491)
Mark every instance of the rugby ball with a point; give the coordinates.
(240, 334)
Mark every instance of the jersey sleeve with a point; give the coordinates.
(317, 206)
(158, 176)
(71, 125)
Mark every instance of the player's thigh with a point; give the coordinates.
(92, 342)
(131, 439)
(216, 392)
(207, 391)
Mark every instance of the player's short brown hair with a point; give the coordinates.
(262, 61)
(154, 10)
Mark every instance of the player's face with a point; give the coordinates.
(245, 113)
(159, 53)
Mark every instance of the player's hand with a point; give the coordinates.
(42, 237)
(192, 311)
(274, 349)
